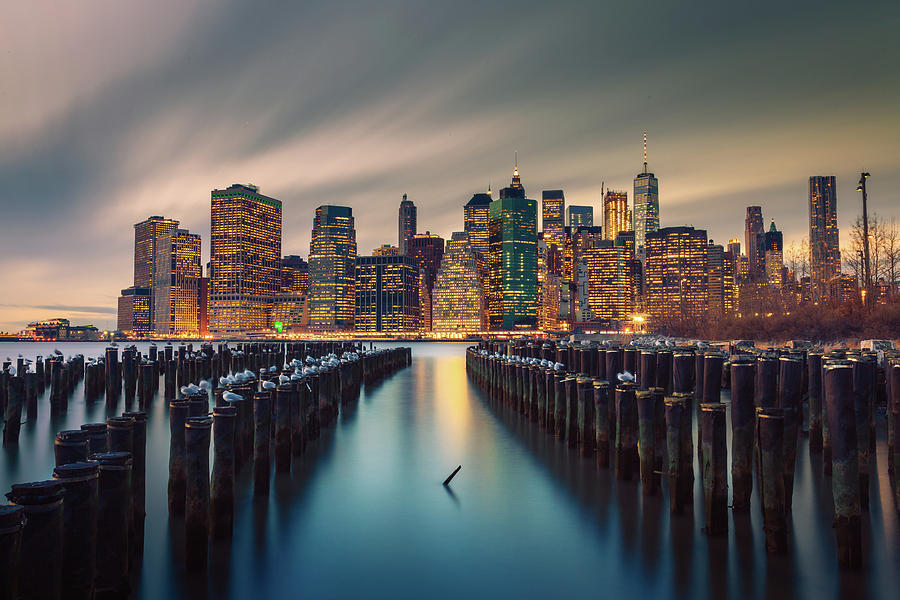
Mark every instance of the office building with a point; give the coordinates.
(610, 289)
(407, 223)
(580, 216)
(646, 204)
(553, 205)
(178, 273)
(824, 237)
(427, 250)
(146, 239)
(616, 217)
(676, 279)
(387, 294)
(134, 311)
(294, 275)
(386, 250)
(332, 270)
(772, 243)
(753, 228)
(475, 221)
(245, 259)
(457, 297)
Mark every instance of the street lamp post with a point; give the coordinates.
(862, 188)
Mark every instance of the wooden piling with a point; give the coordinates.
(586, 435)
(12, 522)
(120, 431)
(664, 371)
(715, 461)
(682, 372)
(770, 442)
(138, 476)
(863, 389)
(766, 384)
(40, 564)
(15, 397)
(79, 544)
(283, 396)
(742, 425)
(626, 432)
(70, 446)
(647, 378)
(814, 375)
(222, 485)
(196, 510)
(262, 425)
(790, 393)
(98, 441)
(571, 412)
(601, 422)
(114, 517)
(647, 442)
(679, 443)
(178, 414)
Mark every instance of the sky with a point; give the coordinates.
(114, 111)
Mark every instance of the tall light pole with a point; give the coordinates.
(867, 273)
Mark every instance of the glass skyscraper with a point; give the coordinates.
(456, 300)
(646, 205)
(616, 217)
(178, 273)
(426, 249)
(753, 228)
(580, 216)
(407, 223)
(824, 238)
(553, 204)
(332, 269)
(677, 286)
(146, 239)
(475, 222)
(387, 294)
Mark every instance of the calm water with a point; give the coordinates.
(365, 514)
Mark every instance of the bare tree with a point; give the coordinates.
(891, 241)
(796, 258)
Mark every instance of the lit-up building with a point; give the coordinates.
(553, 204)
(512, 261)
(843, 288)
(134, 311)
(203, 305)
(456, 300)
(290, 312)
(676, 281)
(646, 204)
(406, 224)
(824, 237)
(294, 275)
(773, 248)
(332, 269)
(616, 216)
(427, 250)
(178, 273)
(580, 216)
(146, 239)
(386, 250)
(550, 281)
(245, 259)
(610, 286)
(753, 228)
(476, 219)
(715, 281)
(387, 294)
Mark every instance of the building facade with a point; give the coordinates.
(387, 294)
(457, 297)
(134, 311)
(146, 240)
(676, 277)
(427, 250)
(332, 269)
(824, 237)
(580, 216)
(753, 228)
(772, 244)
(386, 250)
(646, 205)
(178, 274)
(610, 289)
(616, 217)
(553, 204)
(475, 222)
(245, 259)
(512, 262)
(294, 275)
(406, 224)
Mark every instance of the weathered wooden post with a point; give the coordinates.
(79, 543)
(262, 424)
(70, 446)
(196, 510)
(712, 377)
(178, 414)
(15, 396)
(601, 422)
(845, 462)
(863, 388)
(648, 369)
(40, 565)
(222, 486)
(12, 522)
(790, 393)
(742, 425)
(149, 380)
(683, 371)
(138, 475)
(129, 374)
(766, 385)
(170, 378)
(570, 417)
(679, 442)
(894, 407)
(659, 427)
(586, 435)
(120, 431)
(113, 520)
(626, 431)
(283, 396)
(664, 371)
(647, 442)
(814, 370)
(113, 377)
(770, 441)
(715, 461)
(98, 441)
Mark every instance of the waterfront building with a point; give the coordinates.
(476, 219)
(580, 216)
(616, 217)
(715, 269)
(676, 281)
(824, 237)
(245, 259)
(387, 294)
(773, 252)
(294, 275)
(203, 304)
(290, 312)
(147, 234)
(512, 262)
(457, 296)
(407, 223)
(753, 228)
(609, 282)
(550, 281)
(60, 329)
(553, 204)
(332, 269)
(386, 250)
(427, 250)
(178, 274)
(646, 204)
(133, 317)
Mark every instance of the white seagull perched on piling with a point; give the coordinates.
(269, 385)
(625, 377)
(232, 397)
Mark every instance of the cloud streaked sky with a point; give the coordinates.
(114, 111)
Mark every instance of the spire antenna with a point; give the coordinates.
(645, 151)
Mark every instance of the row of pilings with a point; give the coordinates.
(80, 534)
(633, 410)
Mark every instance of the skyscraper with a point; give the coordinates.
(456, 300)
(427, 250)
(386, 250)
(715, 280)
(294, 275)
(824, 238)
(134, 311)
(773, 253)
(407, 223)
(753, 228)
(553, 204)
(616, 217)
(387, 294)
(332, 269)
(676, 274)
(646, 204)
(245, 259)
(146, 238)
(178, 273)
(475, 219)
(512, 262)
(580, 216)
(610, 293)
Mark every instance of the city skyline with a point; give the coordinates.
(95, 141)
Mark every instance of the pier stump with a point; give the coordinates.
(178, 414)
(742, 425)
(647, 442)
(114, 518)
(40, 563)
(715, 469)
(82, 484)
(626, 432)
(222, 486)
(196, 511)
(770, 441)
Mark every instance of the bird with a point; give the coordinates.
(625, 376)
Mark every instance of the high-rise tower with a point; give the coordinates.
(553, 204)
(753, 228)
(427, 250)
(824, 238)
(616, 217)
(475, 219)
(677, 286)
(178, 274)
(147, 235)
(456, 301)
(407, 223)
(332, 269)
(646, 204)
(245, 259)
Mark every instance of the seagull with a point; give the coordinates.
(232, 397)
(269, 385)
(625, 376)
